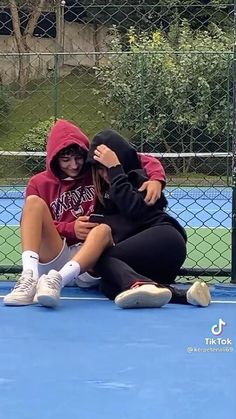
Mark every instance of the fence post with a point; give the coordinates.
(142, 102)
(233, 253)
(55, 87)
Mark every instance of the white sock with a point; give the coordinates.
(30, 260)
(70, 271)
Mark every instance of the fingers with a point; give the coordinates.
(89, 226)
(150, 196)
(100, 149)
(153, 191)
(143, 187)
(83, 218)
(82, 227)
(105, 156)
(151, 199)
(97, 153)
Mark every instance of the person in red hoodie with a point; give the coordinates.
(58, 203)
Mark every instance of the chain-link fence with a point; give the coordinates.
(159, 72)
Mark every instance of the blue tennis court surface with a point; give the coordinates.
(194, 207)
(89, 359)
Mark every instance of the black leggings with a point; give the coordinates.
(154, 255)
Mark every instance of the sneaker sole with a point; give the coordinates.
(47, 301)
(17, 303)
(201, 297)
(207, 291)
(144, 299)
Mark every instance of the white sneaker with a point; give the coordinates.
(199, 294)
(23, 292)
(144, 296)
(84, 280)
(35, 300)
(49, 289)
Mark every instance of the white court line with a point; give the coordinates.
(85, 298)
(107, 299)
(76, 298)
(9, 225)
(223, 302)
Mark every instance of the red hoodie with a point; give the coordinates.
(69, 199)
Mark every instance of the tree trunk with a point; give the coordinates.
(22, 41)
(168, 150)
(96, 44)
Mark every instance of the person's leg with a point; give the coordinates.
(129, 289)
(146, 258)
(40, 241)
(84, 280)
(117, 276)
(98, 239)
(38, 232)
(158, 253)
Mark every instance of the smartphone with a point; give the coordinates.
(96, 218)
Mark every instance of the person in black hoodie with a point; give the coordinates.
(150, 245)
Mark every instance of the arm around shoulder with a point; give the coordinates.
(153, 168)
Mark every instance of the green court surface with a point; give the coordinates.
(207, 247)
(10, 249)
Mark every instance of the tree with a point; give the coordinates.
(36, 140)
(22, 37)
(153, 14)
(150, 15)
(174, 97)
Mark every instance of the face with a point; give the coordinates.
(71, 165)
(103, 173)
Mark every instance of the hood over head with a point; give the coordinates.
(126, 154)
(62, 135)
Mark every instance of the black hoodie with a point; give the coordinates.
(124, 207)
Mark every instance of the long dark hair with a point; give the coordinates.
(99, 183)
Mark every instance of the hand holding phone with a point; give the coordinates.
(96, 218)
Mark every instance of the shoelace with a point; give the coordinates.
(23, 284)
(53, 282)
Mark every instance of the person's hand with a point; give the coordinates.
(106, 156)
(153, 190)
(82, 227)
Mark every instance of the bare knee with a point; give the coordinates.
(34, 202)
(34, 207)
(105, 229)
(102, 232)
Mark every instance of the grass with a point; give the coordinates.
(72, 97)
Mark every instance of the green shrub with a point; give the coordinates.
(35, 140)
(171, 91)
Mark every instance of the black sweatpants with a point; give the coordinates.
(153, 255)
